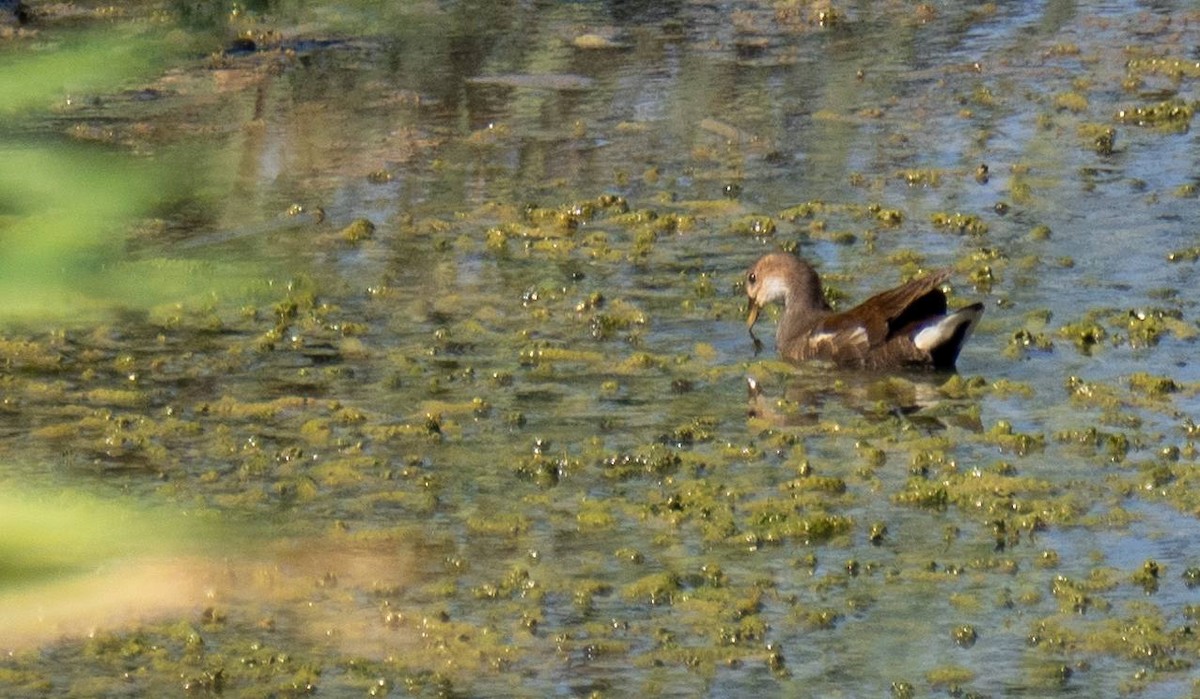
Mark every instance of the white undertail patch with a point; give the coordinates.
(933, 336)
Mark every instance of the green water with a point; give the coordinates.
(498, 442)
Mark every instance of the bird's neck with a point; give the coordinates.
(798, 318)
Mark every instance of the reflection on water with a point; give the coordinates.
(496, 442)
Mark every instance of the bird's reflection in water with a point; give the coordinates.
(916, 400)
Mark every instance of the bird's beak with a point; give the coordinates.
(753, 317)
(754, 308)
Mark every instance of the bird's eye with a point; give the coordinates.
(752, 278)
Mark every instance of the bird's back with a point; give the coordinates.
(904, 326)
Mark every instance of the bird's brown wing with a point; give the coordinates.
(887, 313)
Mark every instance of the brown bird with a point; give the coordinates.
(904, 327)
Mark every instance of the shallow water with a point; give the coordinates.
(499, 443)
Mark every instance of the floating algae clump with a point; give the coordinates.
(758, 225)
(1164, 65)
(1168, 116)
(1085, 333)
(1153, 386)
(358, 230)
(959, 223)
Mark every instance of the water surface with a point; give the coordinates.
(497, 442)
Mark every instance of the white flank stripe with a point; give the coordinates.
(858, 336)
